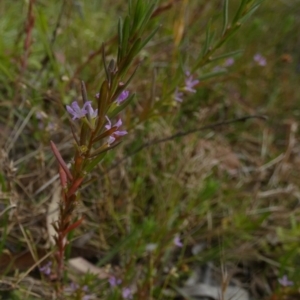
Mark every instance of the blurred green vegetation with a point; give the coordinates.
(232, 190)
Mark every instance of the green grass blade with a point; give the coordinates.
(225, 17)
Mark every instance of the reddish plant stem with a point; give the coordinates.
(28, 30)
(67, 206)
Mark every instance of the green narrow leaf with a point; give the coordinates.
(225, 17)
(126, 31)
(207, 38)
(138, 14)
(103, 135)
(132, 53)
(111, 66)
(103, 149)
(104, 64)
(119, 55)
(211, 39)
(114, 85)
(120, 38)
(228, 36)
(147, 39)
(249, 13)
(212, 74)
(84, 133)
(83, 92)
(127, 82)
(120, 31)
(144, 20)
(239, 11)
(94, 162)
(229, 54)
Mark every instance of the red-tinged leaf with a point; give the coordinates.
(74, 187)
(60, 160)
(63, 176)
(73, 226)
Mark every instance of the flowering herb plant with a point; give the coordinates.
(99, 122)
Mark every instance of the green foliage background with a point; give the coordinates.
(233, 189)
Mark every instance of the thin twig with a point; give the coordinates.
(184, 133)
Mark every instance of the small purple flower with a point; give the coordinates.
(123, 96)
(284, 281)
(177, 241)
(178, 95)
(190, 82)
(115, 134)
(229, 62)
(127, 293)
(91, 112)
(46, 269)
(113, 281)
(76, 111)
(260, 60)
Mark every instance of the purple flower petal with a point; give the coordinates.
(111, 139)
(113, 281)
(119, 123)
(284, 281)
(108, 126)
(76, 111)
(261, 61)
(178, 95)
(190, 82)
(123, 96)
(127, 293)
(177, 241)
(116, 133)
(229, 62)
(91, 112)
(46, 269)
(120, 133)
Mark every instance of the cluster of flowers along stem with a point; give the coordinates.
(96, 129)
(87, 110)
(98, 134)
(189, 87)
